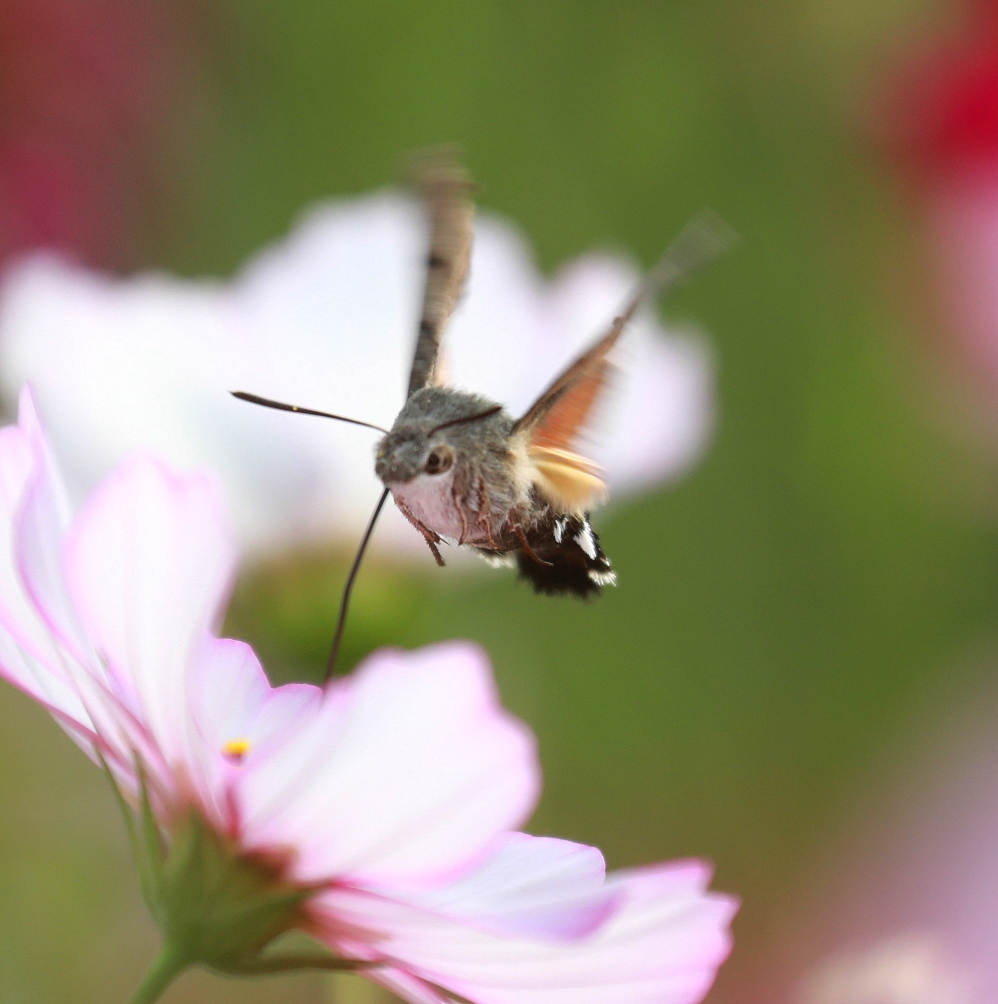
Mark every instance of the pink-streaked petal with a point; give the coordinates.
(15, 469)
(408, 987)
(405, 777)
(29, 657)
(531, 886)
(147, 563)
(39, 682)
(663, 945)
(40, 529)
(41, 648)
(18, 616)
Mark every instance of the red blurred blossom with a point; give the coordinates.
(85, 86)
(937, 119)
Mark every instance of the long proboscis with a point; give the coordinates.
(341, 621)
(266, 402)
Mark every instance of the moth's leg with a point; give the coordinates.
(527, 549)
(431, 537)
(459, 505)
(485, 514)
(429, 534)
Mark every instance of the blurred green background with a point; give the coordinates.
(806, 599)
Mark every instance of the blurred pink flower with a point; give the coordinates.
(325, 319)
(84, 88)
(383, 802)
(907, 968)
(904, 907)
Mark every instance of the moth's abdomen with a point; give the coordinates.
(564, 556)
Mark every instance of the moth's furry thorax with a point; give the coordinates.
(403, 453)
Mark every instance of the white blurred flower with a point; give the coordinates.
(326, 319)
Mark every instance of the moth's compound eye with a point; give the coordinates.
(439, 460)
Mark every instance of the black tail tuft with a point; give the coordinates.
(566, 558)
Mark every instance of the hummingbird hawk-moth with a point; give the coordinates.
(459, 466)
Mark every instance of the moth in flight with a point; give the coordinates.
(516, 489)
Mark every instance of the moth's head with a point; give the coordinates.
(406, 453)
(437, 428)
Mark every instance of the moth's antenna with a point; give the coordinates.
(341, 621)
(280, 406)
(467, 418)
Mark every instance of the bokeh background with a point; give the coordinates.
(806, 625)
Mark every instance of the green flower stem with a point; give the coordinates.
(166, 967)
(301, 963)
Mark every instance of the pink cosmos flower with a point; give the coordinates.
(375, 814)
(326, 319)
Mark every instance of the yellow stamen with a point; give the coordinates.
(236, 749)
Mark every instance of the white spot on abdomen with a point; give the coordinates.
(584, 538)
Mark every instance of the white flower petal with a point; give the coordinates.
(238, 717)
(147, 563)
(405, 776)
(232, 699)
(662, 945)
(145, 364)
(530, 886)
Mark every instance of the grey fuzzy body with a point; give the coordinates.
(485, 497)
(480, 493)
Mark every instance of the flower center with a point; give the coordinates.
(236, 749)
